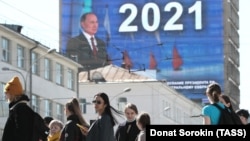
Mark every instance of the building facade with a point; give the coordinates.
(48, 78)
(163, 103)
(231, 51)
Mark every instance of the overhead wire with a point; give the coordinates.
(41, 35)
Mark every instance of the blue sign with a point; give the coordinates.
(182, 40)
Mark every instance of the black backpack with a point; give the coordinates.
(228, 117)
(40, 130)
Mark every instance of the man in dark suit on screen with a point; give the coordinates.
(86, 48)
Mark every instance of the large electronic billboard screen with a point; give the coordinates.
(182, 40)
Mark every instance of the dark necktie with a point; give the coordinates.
(93, 46)
(128, 127)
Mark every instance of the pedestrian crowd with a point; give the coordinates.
(211, 114)
(19, 128)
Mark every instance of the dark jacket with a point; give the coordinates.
(71, 132)
(127, 131)
(18, 126)
(79, 49)
(101, 130)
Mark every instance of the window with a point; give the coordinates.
(35, 103)
(6, 50)
(178, 114)
(70, 79)
(2, 95)
(47, 69)
(122, 101)
(48, 108)
(83, 103)
(1, 132)
(20, 56)
(59, 74)
(59, 112)
(166, 109)
(4, 106)
(34, 63)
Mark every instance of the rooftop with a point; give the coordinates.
(112, 73)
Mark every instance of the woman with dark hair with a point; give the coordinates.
(211, 114)
(227, 102)
(143, 120)
(71, 132)
(128, 130)
(102, 129)
(243, 115)
(47, 120)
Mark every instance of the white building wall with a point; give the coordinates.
(151, 97)
(44, 89)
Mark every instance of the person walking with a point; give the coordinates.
(128, 130)
(244, 115)
(143, 120)
(47, 120)
(227, 102)
(71, 132)
(102, 129)
(18, 126)
(211, 114)
(228, 105)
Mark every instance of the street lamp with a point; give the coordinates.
(163, 110)
(194, 116)
(30, 68)
(124, 91)
(166, 108)
(24, 80)
(160, 113)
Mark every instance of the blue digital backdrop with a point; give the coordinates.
(182, 40)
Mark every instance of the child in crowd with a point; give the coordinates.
(55, 127)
